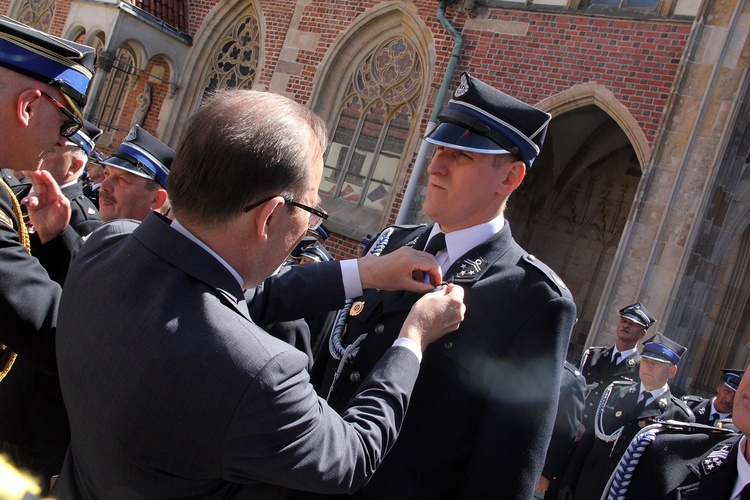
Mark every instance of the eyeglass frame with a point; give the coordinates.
(72, 118)
(316, 212)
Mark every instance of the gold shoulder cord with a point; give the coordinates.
(26, 242)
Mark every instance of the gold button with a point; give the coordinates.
(354, 377)
(448, 345)
(379, 328)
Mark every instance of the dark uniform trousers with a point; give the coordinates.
(483, 407)
(595, 459)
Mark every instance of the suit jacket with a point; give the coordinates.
(595, 459)
(84, 215)
(484, 405)
(172, 390)
(701, 408)
(596, 367)
(689, 462)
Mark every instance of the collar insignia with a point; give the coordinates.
(630, 362)
(662, 404)
(716, 459)
(469, 269)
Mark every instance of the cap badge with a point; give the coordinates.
(462, 88)
(357, 308)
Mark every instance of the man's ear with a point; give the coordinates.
(515, 171)
(264, 215)
(160, 198)
(26, 105)
(673, 371)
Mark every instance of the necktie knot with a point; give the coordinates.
(615, 358)
(714, 418)
(436, 243)
(641, 404)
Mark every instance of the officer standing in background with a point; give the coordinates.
(669, 461)
(467, 433)
(625, 408)
(135, 177)
(66, 164)
(603, 365)
(712, 411)
(94, 176)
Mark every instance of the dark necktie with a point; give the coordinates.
(615, 359)
(714, 418)
(642, 403)
(435, 244)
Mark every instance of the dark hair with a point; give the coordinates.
(239, 147)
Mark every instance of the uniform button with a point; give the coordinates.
(354, 377)
(448, 345)
(379, 328)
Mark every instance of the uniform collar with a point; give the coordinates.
(459, 242)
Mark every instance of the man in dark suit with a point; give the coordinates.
(43, 84)
(603, 365)
(171, 388)
(712, 411)
(669, 461)
(625, 408)
(484, 404)
(66, 164)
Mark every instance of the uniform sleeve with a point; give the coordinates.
(29, 298)
(284, 434)
(508, 458)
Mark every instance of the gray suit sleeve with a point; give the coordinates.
(284, 434)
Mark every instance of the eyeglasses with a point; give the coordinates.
(317, 215)
(70, 126)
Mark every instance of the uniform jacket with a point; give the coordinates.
(28, 297)
(484, 405)
(84, 215)
(173, 391)
(569, 415)
(595, 459)
(701, 408)
(597, 369)
(690, 462)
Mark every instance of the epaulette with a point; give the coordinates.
(682, 405)
(549, 273)
(691, 398)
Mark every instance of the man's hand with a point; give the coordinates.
(403, 269)
(434, 315)
(49, 209)
(541, 485)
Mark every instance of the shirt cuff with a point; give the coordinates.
(409, 344)
(350, 277)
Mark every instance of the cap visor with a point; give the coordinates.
(656, 357)
(123, 164)
(458, 137)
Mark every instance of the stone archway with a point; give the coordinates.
(571, 209)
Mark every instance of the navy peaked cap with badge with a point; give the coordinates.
(61, 63)
(143, 155)
(482, 119)
(86, 137)
(316, 252)
(660, 348)
(639, 314)
(732, 377)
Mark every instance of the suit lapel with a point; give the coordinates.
(716, 472)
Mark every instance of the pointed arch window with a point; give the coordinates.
(234, 63)
(37, 14)
(373, 122)
(115, 91)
